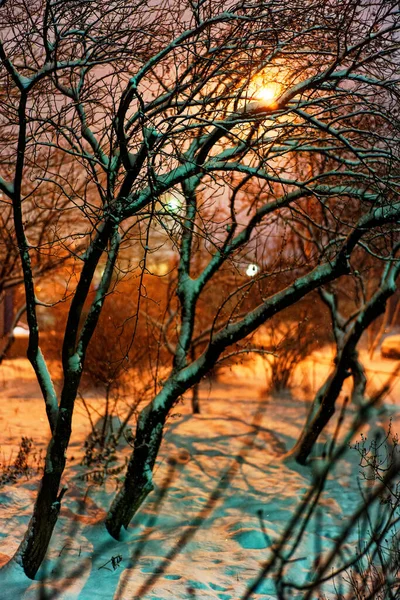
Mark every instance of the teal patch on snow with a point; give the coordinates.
(266, 586)
(217, 588)
(251, 539)
(197, 585)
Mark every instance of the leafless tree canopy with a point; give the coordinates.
(195, 139)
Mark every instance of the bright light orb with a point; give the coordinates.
(173, 202)
(252, 270)
(268, 93)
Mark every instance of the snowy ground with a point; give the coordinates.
(222, 497)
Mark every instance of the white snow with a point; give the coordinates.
(221, 496)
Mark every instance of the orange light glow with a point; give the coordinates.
(265, 87)
(267, 92)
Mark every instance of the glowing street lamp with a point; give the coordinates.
(252, 270)
(264, 88)
(268, 92)
(173, 202)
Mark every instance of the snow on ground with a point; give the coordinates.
(222, 497)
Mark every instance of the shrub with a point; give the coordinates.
(289, 343)
(23, 465)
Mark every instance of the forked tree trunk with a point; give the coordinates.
(139, 481)
(33, 548)
(347, 363)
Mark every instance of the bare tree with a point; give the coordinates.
(347, 334)
(353, 307)
(172, 113)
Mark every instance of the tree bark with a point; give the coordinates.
(10, 338)
(318, 421)
(359, 382)
(40, 529)
(138, 482)
(195, 399)
(33, 548)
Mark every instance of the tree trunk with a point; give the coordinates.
(324, 404)
(139, 480)
(195, 399)
(378, 336)
(33, 548)
(346, 363)
(359, 382)
(7, 346)
(321, 417)
(10, 333)
(8, 311)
